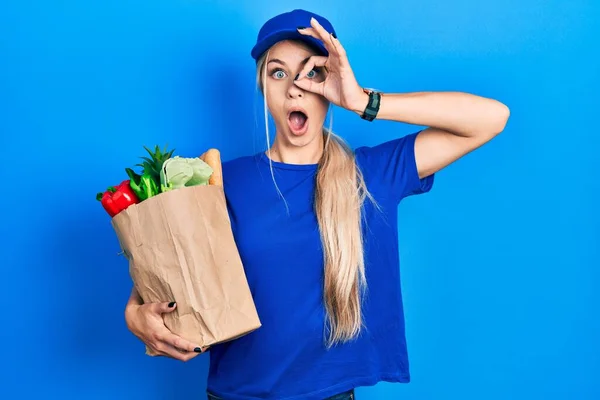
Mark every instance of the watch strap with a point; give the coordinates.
(370, 112)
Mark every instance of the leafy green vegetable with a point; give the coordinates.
(144, 186)
(177, 172)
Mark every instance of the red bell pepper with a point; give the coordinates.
(116, 199)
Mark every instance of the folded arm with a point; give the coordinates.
(457, 123)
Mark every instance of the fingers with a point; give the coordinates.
(165, 342)
(175, 346)
(318, 32)
(180, 343)
(164, 337)
(177, 354)
(314, 61)
(164, 307)
(329, 45)
(309, 32)
(311, 86)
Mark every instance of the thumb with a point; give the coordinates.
(165, 307)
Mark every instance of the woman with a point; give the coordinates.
(316, 223)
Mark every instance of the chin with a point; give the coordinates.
(304, 139)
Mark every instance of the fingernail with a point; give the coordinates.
(297, 76)
(334, 35)
(301, 27)
(198, 350)
(172, 304)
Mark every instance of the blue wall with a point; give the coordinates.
(499, 262)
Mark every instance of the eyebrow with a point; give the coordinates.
(278, 61)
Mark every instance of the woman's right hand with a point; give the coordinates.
(145, 321)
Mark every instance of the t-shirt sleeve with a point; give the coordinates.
(392, 167)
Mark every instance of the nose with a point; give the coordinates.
(294, 92)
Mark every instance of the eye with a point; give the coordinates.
(278, 74)
(311, 74)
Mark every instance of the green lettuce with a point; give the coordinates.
(178, 172)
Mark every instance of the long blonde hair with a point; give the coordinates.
(339, 196)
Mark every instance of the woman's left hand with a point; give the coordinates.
(339, 86)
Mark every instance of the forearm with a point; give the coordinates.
(462, 114)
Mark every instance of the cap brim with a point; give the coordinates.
(278, 36)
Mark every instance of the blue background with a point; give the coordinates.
(499, 262)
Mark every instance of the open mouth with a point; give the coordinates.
(298, 121)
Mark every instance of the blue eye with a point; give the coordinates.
(278, 74)
(311, 74)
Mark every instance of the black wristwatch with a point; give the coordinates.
(373, 106)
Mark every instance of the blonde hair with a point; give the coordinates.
(339, 197)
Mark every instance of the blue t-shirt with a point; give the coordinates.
(286, 357)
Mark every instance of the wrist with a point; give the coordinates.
(133, 303)
(373, 103)
(130, 314)
(131, 308)
(360, 103)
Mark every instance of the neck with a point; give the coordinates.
(290, 154)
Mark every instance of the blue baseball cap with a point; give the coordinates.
(285, 27)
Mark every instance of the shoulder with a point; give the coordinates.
(390, 167)
(239, 165)
(370, 156)
(239, 172)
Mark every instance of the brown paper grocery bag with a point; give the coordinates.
(181, 248)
